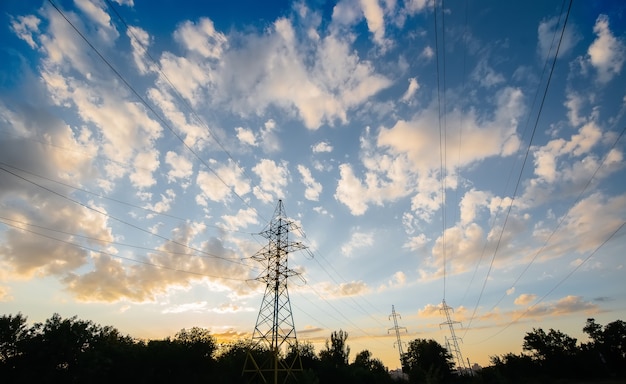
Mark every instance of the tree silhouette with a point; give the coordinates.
(427, 361)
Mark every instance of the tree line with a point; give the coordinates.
(71, 350)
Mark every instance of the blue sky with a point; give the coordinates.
(427, 151)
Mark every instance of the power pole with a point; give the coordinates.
(452, 343)
(397, 329)
(274, 330)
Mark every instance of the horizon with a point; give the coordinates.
(426, 151)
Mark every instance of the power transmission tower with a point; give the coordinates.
(452, 343)
(397, 329)
(274, 330)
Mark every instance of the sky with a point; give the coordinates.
(466, 152)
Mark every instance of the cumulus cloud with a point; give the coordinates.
(172, 265)
(273, 179)
(525, 299)
(606, 53)
(202, 38)
(413, 87)
(224, 179)
(357, 240)
(246, 136)
(322, 146)
(327, 87)
(25, 27)
(313, 188)
(180, 166)
(406, 157)
(548, 34)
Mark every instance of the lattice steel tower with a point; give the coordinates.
(397, 329)
(452, 343)
(275, 330)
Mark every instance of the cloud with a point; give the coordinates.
(105, 29)
(322, 146)
(397, 280)
(313, 188)
(486, 76)
(246, 136)
(202, 38)
(274, 178)
(548, 33)
(242, 219)
(525, 299)
(357, 240)
(471, 202)
(564, 306)
(112, 279)
(427, 53)
(219, 184)
(413, 87)
(336, 291)
(320, 89)
(606, 53)
(24, 27)
(5, 295)
(180, 166)
(374, 16)
(197, 307)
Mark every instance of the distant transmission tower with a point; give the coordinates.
(397, 329)
(274, 329)
(452, 343)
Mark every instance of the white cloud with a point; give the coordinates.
(413, 87)
(322, 146)
(525, 299)
(139, 42)
(166, 202)
(145, 164)
(181, 167)
(606, 53)
(242, 219)
(24, 27)
(470, 203)
(548, 34)
(313, 188)
(218, 185)
(320, 89)
(202, 38)
(427, 53)
(486, 76)
(94, 10)
(274, 178)
(246, 136)
(374, 16)
(407, 160)
(357, 240)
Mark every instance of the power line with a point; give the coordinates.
(578, 199)
(151, 211)
(510, 175)
(559, 283)
(147, 105)
(115, 218)
(160, 266)
(177, 92)
(201, 254)
(523, 166)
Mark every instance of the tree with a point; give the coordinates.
(367, 369)
(426, 360)
(555, 352)
(546, 346)
(337, 352)
(13, 331)
(608, 346)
